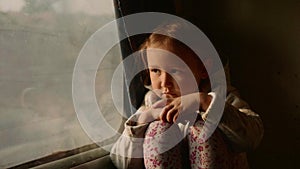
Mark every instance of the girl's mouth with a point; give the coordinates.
(165, 95)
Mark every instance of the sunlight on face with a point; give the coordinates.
(170, 76)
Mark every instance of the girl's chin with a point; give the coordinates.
(169, 96)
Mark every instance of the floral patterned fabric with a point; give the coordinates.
(211, 154)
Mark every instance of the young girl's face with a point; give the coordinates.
(170, 76)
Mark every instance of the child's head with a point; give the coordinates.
(163, 56)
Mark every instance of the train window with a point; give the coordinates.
(40, 41)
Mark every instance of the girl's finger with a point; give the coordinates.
(164, 113)
(171, 113)
(175, 117)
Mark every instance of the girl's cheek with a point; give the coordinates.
(187, 85)
(155, 84)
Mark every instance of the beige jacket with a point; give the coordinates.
(241, 126)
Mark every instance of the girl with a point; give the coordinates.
(161, 135)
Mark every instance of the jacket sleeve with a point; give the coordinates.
(127, 152)
(242, 127)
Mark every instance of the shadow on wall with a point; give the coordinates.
(265, 67)
(261, 40)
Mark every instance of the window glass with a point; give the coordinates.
(40, 41)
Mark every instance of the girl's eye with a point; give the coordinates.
(157, 71)
(174, 71)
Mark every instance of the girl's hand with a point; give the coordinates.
(183, 107)
(149, 114)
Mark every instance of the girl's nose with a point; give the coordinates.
(166, 79)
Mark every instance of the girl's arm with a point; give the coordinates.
(127, 152)
(242, 127)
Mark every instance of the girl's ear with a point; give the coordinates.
(207, 66)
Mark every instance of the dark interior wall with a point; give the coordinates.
(265, 66)
(262, 41)
(261, 38)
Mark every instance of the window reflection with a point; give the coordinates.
(39, 43)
